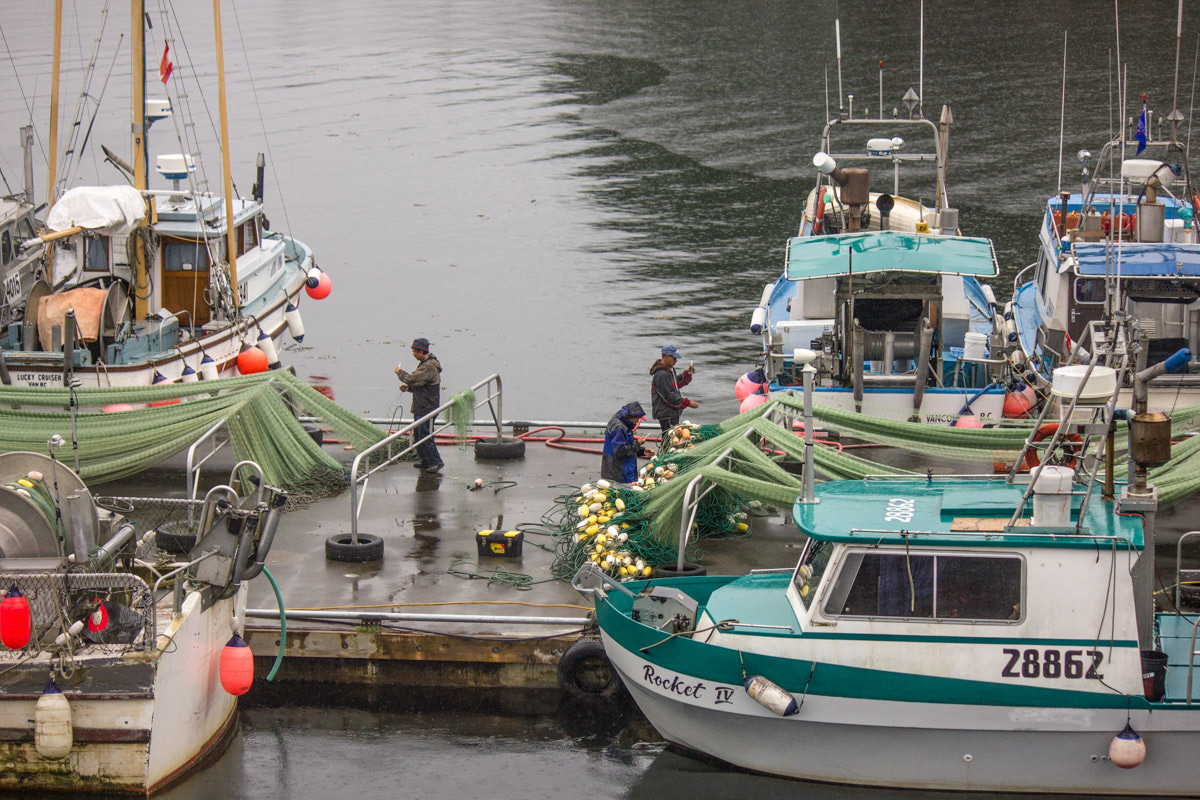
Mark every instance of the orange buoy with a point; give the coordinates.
(747, 385)
(15, 619)
(116, 408)
(967, 421)
(251, 360)
(1019, 403)
(1072, 444)
(321, 290)
(236, 667)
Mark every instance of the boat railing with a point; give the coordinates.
(50, 593)
(692, 496)
(197, 457)
(1181, 574)
(387, 451)
(1017, 281)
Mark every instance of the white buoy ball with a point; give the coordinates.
(479, 483)
(1127, 750)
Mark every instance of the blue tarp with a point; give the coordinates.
(1138, 259)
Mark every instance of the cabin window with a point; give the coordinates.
(902, 585)
(25, 230)
(1040, 272)
(1089, 290)
(185, 255)
(95, 253)
(811, 567)
(6, 246)
(247, 236)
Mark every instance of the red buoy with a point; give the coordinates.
(251, 360)
(15, 619)
(98, 619)
(968, 421)
(752, 401)
(236, 667)
(322, 289)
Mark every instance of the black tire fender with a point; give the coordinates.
(689, 570)
(341, 547)
(175, 537)
(585, 670)
(499, 449)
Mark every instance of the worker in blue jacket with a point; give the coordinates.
(621, 447)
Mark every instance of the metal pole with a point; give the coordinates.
(381, 616)
(809, 478)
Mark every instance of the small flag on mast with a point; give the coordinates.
(165, 66)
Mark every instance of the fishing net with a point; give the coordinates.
(462, 413)
(260, 411)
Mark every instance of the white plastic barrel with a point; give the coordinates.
(974, 346)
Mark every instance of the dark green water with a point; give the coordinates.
(553, 190)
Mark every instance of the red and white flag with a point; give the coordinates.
(165, 66)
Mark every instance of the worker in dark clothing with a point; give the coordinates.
(621, 447)
(425, 383)
(668, 403)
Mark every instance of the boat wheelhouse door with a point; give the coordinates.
(185, 276)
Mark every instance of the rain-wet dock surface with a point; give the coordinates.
(429, 524)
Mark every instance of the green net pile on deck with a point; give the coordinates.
(626, 529)
(260, 410)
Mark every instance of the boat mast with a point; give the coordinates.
(54, 101)
(230, 244)
(141, 278)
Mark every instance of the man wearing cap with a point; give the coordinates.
(425, 384)
(621, 447)
(667, 403)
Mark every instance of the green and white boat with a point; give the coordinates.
(986, 633)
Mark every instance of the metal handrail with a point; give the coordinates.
(1179, 570)
(358, 496)
(193, 467)
(688, 517)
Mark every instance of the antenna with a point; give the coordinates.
(1175, 95)
(825, 54)
(881, 86)
(1062, 122)
(921, 81)
(837, 30)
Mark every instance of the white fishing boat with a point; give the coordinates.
(144, 285)
(884, 287)
(120, 669)
(982, 633)
(1128, 241)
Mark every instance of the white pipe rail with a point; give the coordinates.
(383, 616)
(358, 495)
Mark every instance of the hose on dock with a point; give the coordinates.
(282, 625)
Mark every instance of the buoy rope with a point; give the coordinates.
(723, 625)
(494, 575)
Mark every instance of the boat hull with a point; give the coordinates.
(938, 406)
(913, 745)
(140, 722)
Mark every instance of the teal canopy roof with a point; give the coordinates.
(949, 512)
(875, 251)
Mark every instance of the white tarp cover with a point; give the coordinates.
(110, 210)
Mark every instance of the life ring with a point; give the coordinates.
(820, 211)
(1073, 445)
(585, 670)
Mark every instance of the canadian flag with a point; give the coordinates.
(165, 66)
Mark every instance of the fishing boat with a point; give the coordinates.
(983, 633)
(1126, 241)
(20, 266)
(144, 285)
(122, 658)
(883, 287)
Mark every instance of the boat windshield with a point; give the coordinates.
(811, 567)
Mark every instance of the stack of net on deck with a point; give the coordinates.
(1176, 480)
(738, 462)
(260, 411)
